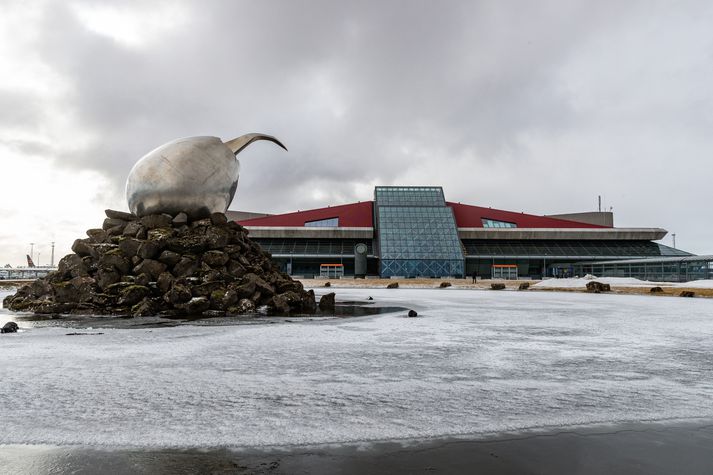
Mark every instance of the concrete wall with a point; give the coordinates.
(601, 218)
(242, 215)
(309, 233)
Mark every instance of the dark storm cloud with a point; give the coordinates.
(482, 96)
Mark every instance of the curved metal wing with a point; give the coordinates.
(237, 145)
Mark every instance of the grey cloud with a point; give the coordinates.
(347, 85)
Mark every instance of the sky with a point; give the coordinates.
(525, 106)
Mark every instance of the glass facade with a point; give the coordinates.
(323, 223)
(417, 234)
(669, 269)
(492, 223)
(576, 249)
(312, 247)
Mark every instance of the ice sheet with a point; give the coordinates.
(472, 362)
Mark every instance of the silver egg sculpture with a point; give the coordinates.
(194, 175)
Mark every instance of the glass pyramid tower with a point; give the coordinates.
(416, 233)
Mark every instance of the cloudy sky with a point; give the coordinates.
(526, 106)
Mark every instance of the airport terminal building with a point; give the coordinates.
(409, 231)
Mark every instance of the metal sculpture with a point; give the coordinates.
(194, 175)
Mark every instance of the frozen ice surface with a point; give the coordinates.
(473, 362)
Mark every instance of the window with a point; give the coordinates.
(492, 223)
(323, 223)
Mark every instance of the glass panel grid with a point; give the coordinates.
(492, 223)
(323, 223)
(417, 233)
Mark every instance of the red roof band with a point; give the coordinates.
(360, 215)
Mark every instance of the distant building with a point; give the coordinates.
(414, 232)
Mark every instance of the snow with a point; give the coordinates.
(474, 362)
(581, 283)
(696, 284)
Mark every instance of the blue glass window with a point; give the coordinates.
(323, 223)
(492, 223)
(417, 233)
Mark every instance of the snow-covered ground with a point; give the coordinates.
(473, 362)
(581, 283)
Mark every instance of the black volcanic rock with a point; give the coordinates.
(123, 215)
(9, 327)
(164, 265)
(326, 302)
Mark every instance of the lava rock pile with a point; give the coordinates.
(164, 265)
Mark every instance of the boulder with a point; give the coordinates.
(205, 222)
(145, 308)
(115, 230)
(178, 294)
(9, 327)
(327, 284)
(216, 238)
(132, 229)
(187, 244)
(165, 282)
(180, 219)
(123, 215)
(196, 305)
(152, 221)
(132, 295)
(115, 260)
(597, 287)
(523, 286)
(244, 306)
(687, 293)
(81, 248)
(443, 285)
(327, 302)
(218, 219)
(72, 265)
(497, 286)
(279, 304)
(151, 267)
(185, 267)
(148, 250)
(97, 235)
(412, 313)
(204, 290)
(129, 246)
(393, 285)
(169, 258)
(160, 236)
(656, 290)
(215, 258)
(110, 223)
